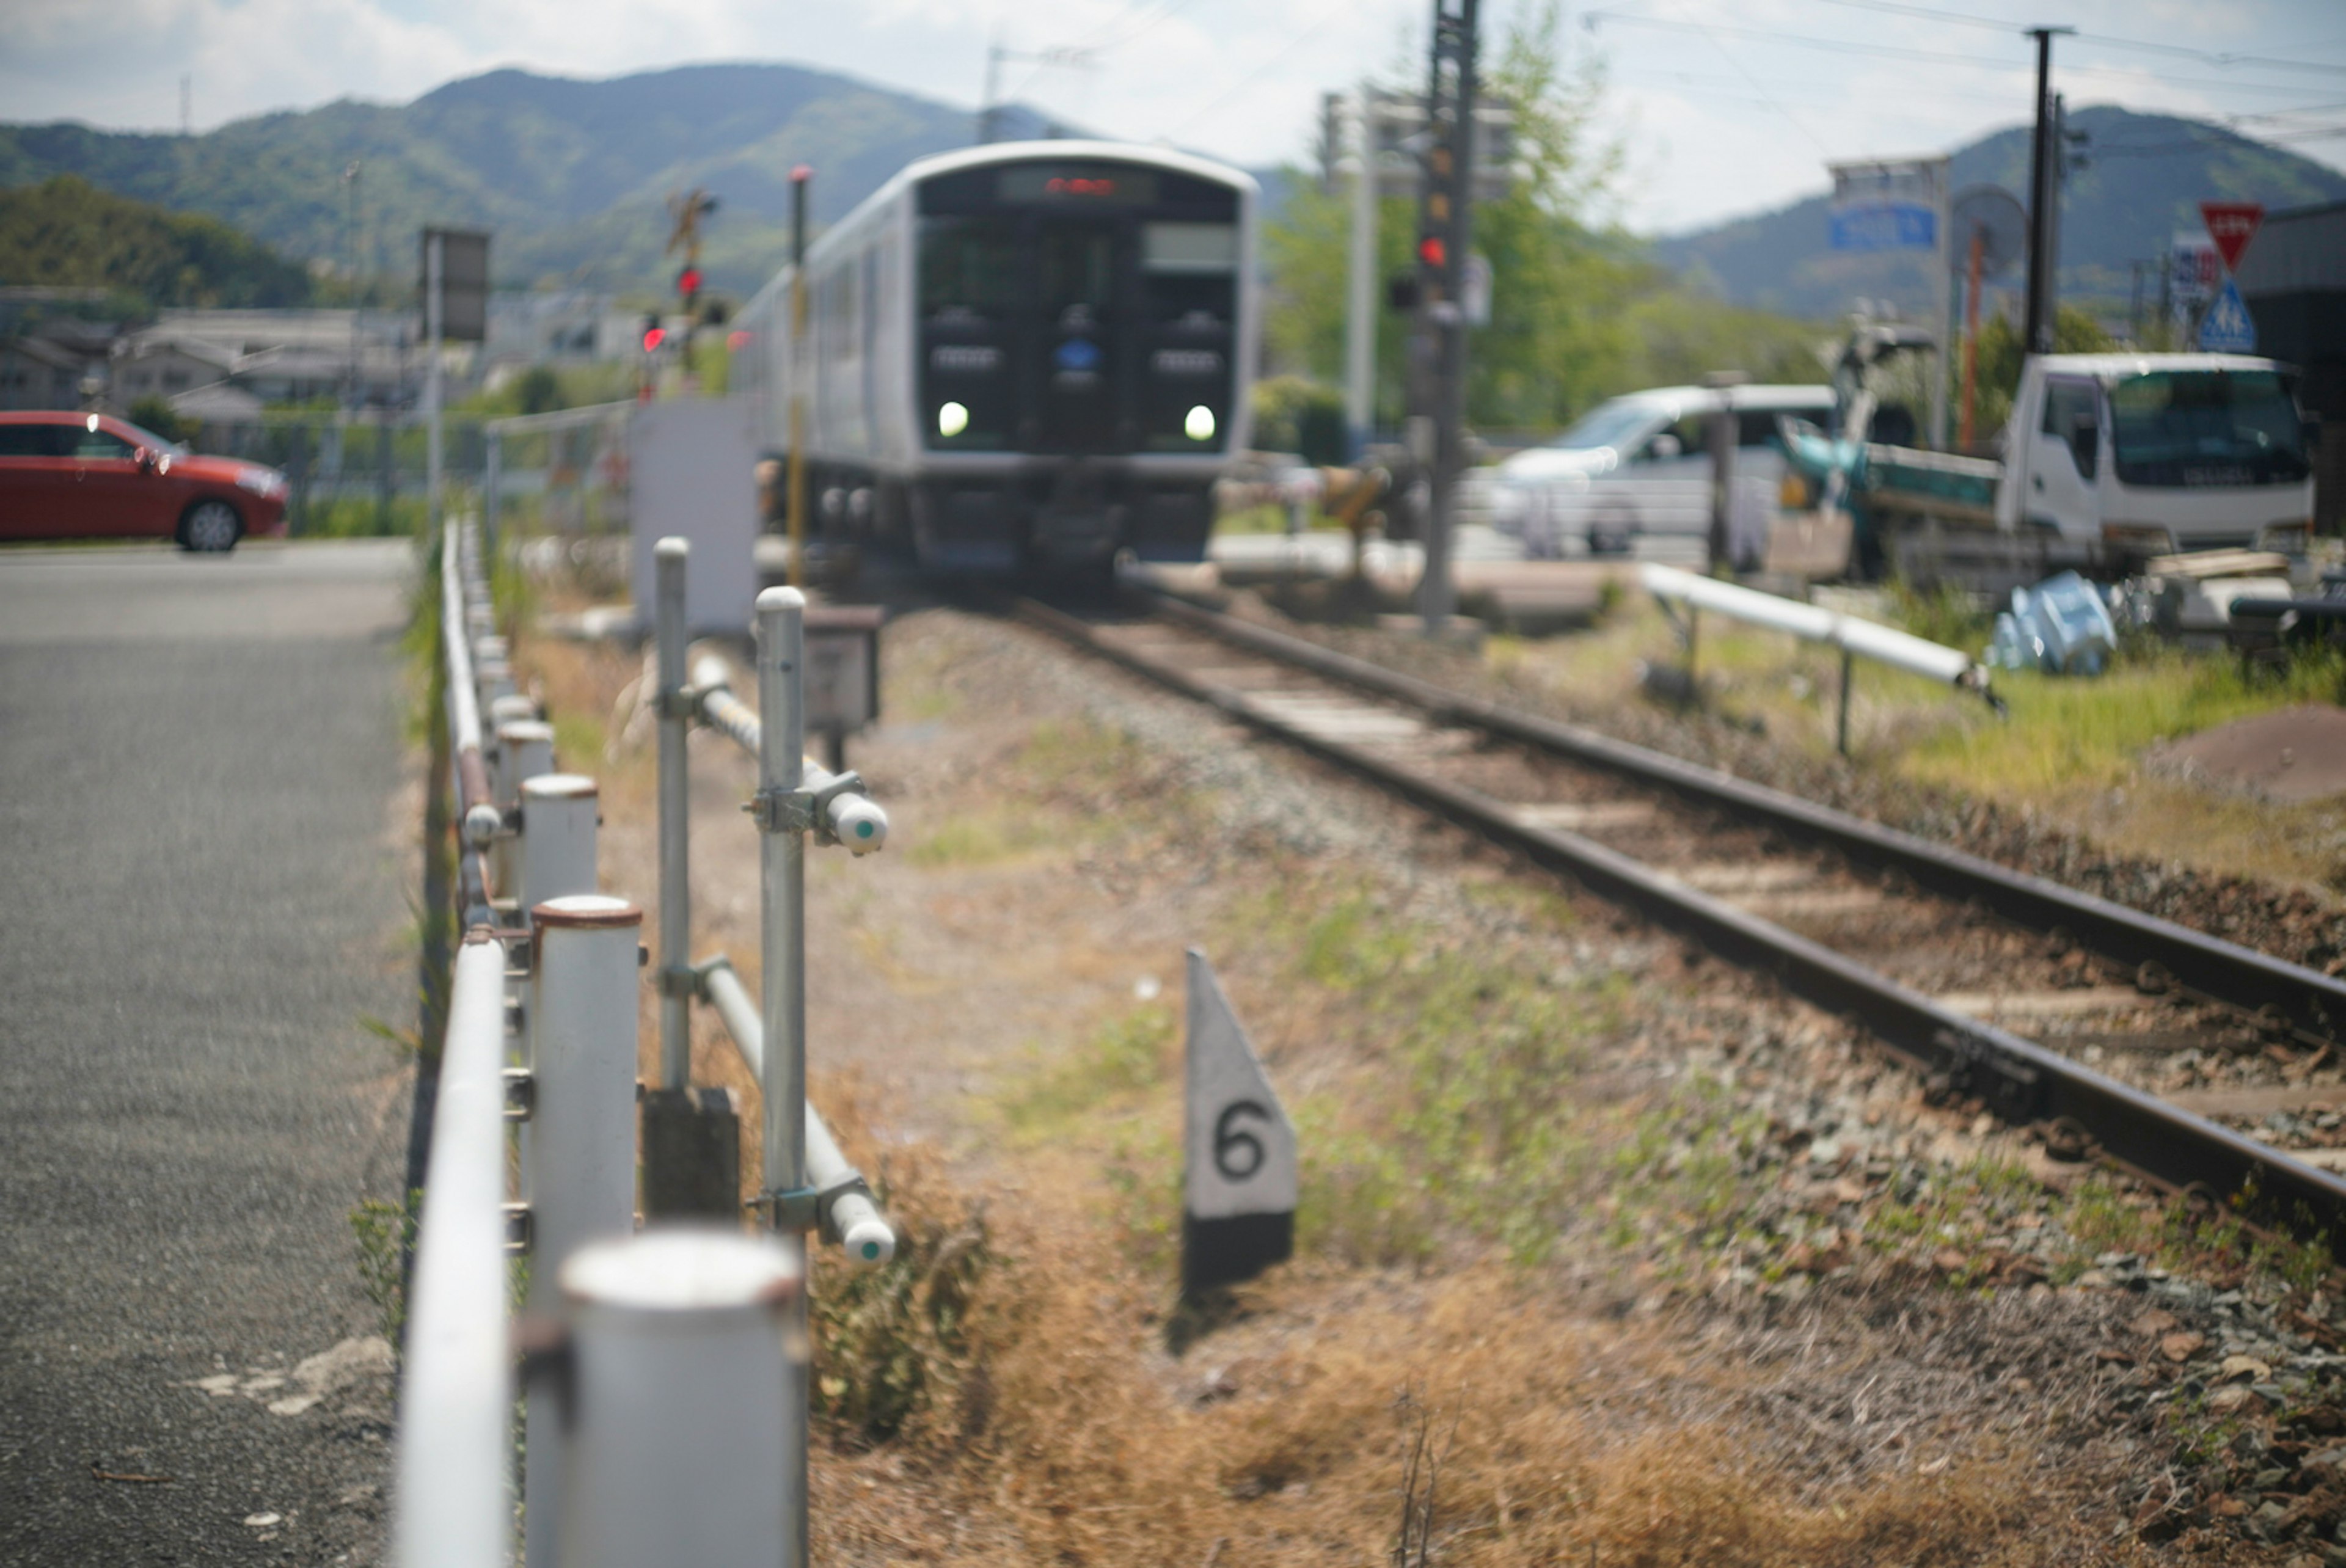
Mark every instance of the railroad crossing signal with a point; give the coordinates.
(1238, 1190)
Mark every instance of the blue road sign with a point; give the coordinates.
(2227, 328)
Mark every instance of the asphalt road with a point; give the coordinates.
(203, 873)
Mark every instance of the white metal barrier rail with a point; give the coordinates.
(1855, 638)
(664, 1374)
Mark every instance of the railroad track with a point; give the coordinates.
(2049, 1005)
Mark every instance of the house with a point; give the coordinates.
(42, 372)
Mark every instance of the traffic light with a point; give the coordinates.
(654, 334)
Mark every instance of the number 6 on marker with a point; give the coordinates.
(1237, 1153)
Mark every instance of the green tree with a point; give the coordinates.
(1556, 334)
(2000, 357)
(1578, 313)
(66, 233)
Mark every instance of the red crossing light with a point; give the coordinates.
(687, 283)
(1432, 251)
(653, 337)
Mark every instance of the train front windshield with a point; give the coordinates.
(1077, 309)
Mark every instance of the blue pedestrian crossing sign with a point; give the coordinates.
(2227, 328)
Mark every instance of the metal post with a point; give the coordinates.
(682, 1358)
(1445, 232)
(1724, 434)
(797, 362)
(435, 288)
(1848, 675)
(582, 1145)
(558, 813)
(1360, 285)
(1943, 301)
(1971, 335)
(669, 558)
(781, 762)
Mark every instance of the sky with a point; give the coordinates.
(1720, 107)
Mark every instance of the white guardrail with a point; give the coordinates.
(663, 1370)
(1855, 638)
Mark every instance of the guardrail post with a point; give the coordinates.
(493, 667)
(559, 812)
(524, 751)
(582, 1143)
(684, 1349)
(781, 817)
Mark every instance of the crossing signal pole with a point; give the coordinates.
(1444, 235)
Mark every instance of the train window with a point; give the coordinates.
(969, 264)
(1078, 268)
(1189, 247)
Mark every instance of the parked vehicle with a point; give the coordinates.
(2109, 460)
(69, 475)
(1635, 473)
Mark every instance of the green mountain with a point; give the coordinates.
(571, 176)
(2144, 180)
(64, 231)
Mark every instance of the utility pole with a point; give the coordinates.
(985, 111)
(797, 501)
(2045, 158)
(1444, 233)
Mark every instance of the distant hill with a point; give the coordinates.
(2147, 175)
(570, 176)
(64, 231)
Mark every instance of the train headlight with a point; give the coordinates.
(1199, 425)
(953, 418)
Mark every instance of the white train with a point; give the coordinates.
(1024, 356)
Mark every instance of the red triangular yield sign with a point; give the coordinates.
(2231, 225)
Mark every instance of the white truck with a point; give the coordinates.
(2109, 459)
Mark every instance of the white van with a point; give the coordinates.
(1633, 475)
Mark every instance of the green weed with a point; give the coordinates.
(385, 1234)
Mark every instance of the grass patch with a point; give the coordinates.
(1121, 1059)
(2063, 733)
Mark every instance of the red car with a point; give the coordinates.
(93, 477)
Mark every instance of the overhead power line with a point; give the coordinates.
(2175, 51)
(1899, 52)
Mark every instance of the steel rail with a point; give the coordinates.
(2021, 1080)
(2312, 1004)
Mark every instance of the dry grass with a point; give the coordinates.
(1008, 1391)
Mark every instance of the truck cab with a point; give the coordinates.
(2119, 456)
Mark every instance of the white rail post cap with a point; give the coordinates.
(560, 787)
(683, 1268)
(674, 547)
(584, 911)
